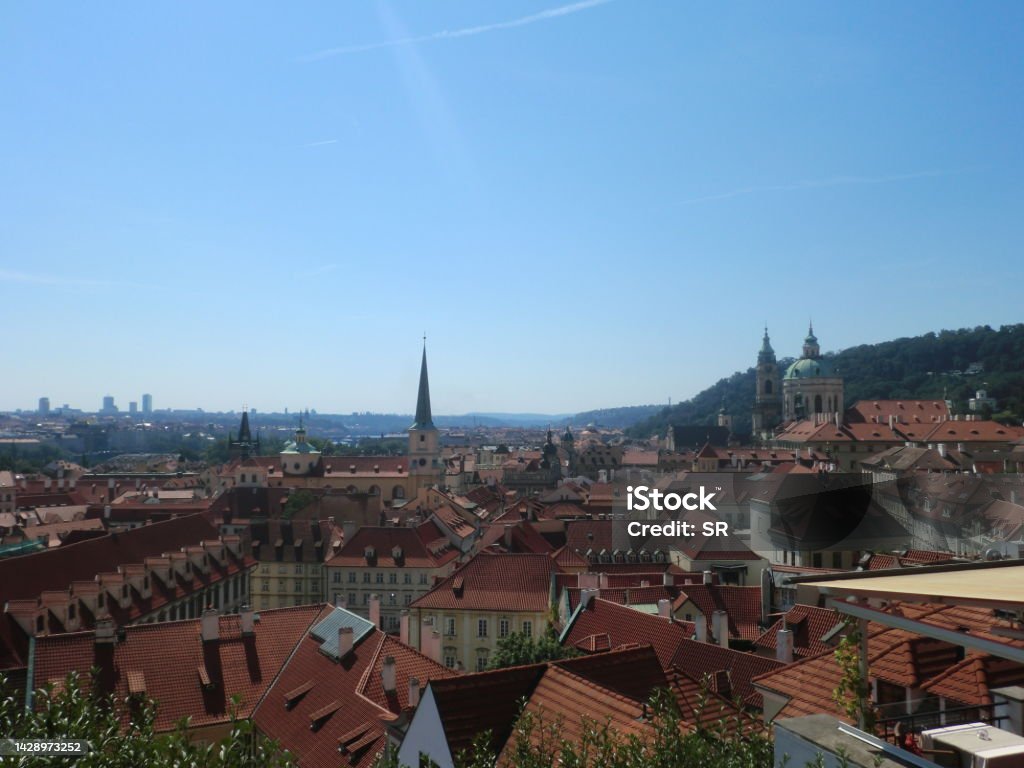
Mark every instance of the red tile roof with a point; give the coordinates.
(808, 623)
(166, 658)
(495, 582)
(339, 720)
(741, 604)
(424, 546)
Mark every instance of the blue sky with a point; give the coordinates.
(583, 205)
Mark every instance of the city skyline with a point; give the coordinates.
(634, 188)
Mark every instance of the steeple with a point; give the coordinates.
(811, 348)
(767, 354)
(244, 435)
(423, 417)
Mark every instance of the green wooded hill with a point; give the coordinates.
(952, 362)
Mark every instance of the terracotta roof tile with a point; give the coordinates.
(495, 582)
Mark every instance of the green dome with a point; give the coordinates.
(807, 368)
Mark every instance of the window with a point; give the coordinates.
(392, 599)
(449, 627)
(481, 660)
(266, 586)
(337, 577)
(298, 567)
(423, 578)
(298, 585)
(407, 598)
(481, 628)
(380, 577)
(816, 560)
(351, 598)
(282, 569)
(503, 628)
(837, 559)
(407, 578)
(264, 569)
(280, 584)
(101, 599)
(528, 628)
(366, 599)
(71, 611)
(392, 578)
(366, 577)
(351, 577)
(449, 658)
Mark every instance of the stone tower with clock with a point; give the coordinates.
(768, 398)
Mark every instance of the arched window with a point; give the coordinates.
(398, 492)
(817, 404)
(768, 387)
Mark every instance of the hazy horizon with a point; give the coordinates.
(582, 204)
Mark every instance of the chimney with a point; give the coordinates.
(247, 620)
(942, 450)
(375, 610)
(110, 489)
(709, 578)
(403, 626)
(387, 675)
(47, 482)
(588, 580)
(508, 536)
(665, 608)
(586, 596)
(209, 628)
(784, 645)
(702, 628)
(339, 600)
(106, 512)
(602, 581)
(348, 528)
(414, 692)
(667, 580)
(425, 629)
(435, 646)
(720, 628)
(106, 633)
(346, 639)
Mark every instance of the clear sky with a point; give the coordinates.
(583, 205)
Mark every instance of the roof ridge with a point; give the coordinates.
(590, 684)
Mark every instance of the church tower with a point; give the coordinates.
(768, 397)
(424, 439)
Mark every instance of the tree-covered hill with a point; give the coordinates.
(954, 363)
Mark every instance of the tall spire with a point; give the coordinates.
(244, 435)
(423, 417)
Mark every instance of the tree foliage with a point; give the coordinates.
(517, 649)
(120, 733)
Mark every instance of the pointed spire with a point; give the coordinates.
(423, 418)
(244, 435)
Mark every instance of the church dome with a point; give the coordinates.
(808, 368)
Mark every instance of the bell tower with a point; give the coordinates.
(768, 395)
(424, 439)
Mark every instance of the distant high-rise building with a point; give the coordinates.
(108, 404)
(44, 405)
(133, 407)
(147, 404)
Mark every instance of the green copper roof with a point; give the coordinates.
(423, 418)
(806, 368)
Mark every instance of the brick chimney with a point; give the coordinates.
(720, 628)
(209, 627)
(247, 620)
(387, 675)
(403, 626)
(375, 610)
(106, 632)
(346, 639)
